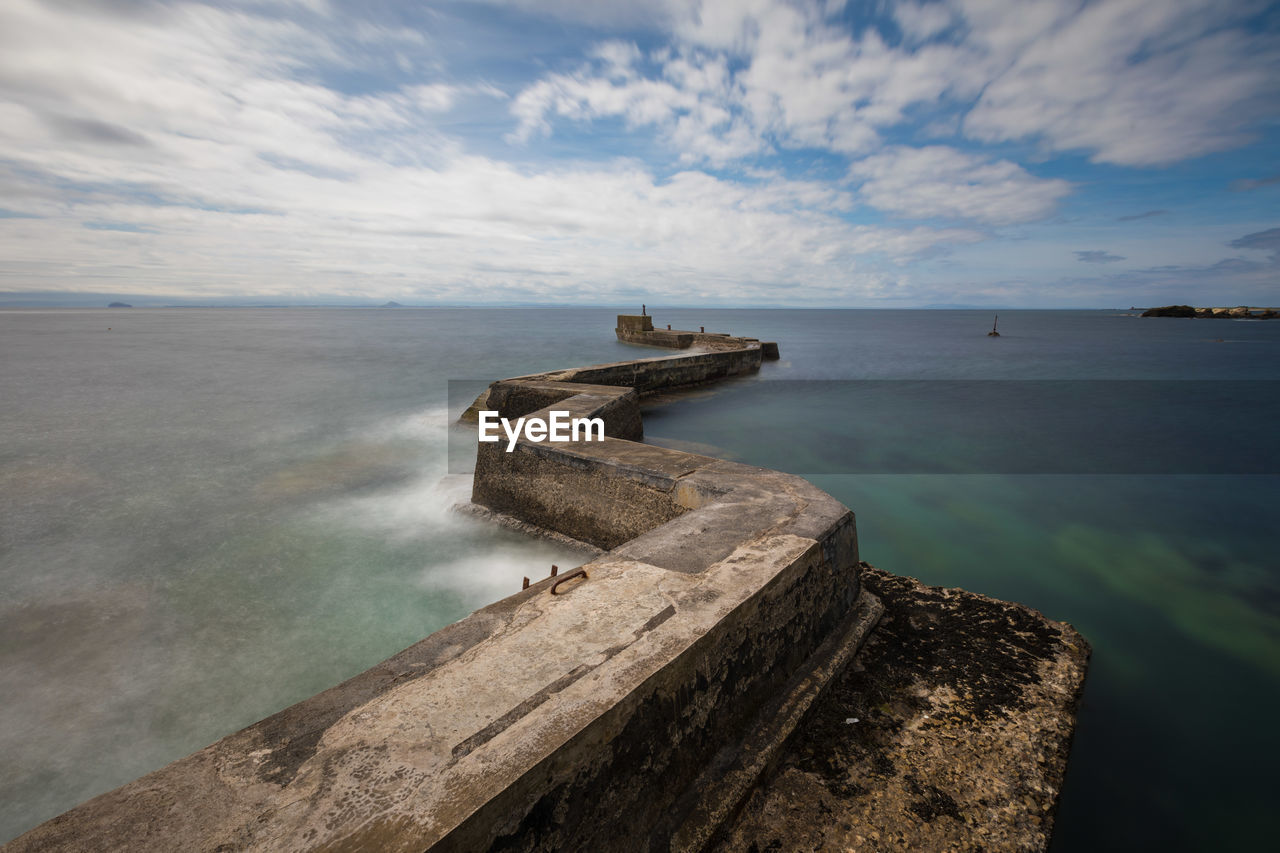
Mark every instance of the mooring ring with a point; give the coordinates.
(573, 574)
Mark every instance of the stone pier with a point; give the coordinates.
(675, 693)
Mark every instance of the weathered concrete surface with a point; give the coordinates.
(654, 374)
(950, 731)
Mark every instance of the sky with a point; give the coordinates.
(1010, 153)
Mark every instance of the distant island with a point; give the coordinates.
(119, 305)
(1240, 312)
(391, 305)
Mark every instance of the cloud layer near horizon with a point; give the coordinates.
(703, 152)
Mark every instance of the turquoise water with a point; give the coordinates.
(206, 515)
(1169, 570)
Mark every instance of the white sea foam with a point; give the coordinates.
(496, 571)
(429, 425)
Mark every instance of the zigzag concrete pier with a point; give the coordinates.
(646, 701)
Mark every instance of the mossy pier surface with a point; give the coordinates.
(687, 689)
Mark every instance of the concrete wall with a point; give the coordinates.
(629, 707)
(635, 322)
(658, 338)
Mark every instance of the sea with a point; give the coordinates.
(208, 514)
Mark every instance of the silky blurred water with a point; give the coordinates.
(209, 514)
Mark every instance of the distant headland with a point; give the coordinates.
(1237, 313)
(119, 305)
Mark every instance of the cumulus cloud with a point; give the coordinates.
(741, 78)
(922, 21)
(195, 148)
(304, 146)
(687, 106)
(1130, 82)
(1097, 256)
(938, 182)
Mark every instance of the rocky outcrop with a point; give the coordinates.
(1170, 311)
(1239, 312)
(950, 732)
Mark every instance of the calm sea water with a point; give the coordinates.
(206, 515)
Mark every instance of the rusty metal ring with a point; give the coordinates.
(575, 573)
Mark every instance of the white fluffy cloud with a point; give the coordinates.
(942, 183)
(803, 82)
(442, 233)
(299, 147)
(194, 149)
(1130, 82)
(691, 103)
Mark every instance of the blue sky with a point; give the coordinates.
(1019, 153)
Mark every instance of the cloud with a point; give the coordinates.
(1097, 256)
(127, 227)
(742, 78)
(922, 21)
(191, 148)
(1246, 184)
(809, 84)
(690, 105)
(481, 227)
(938, 182)
(1144, 215)
(1130, 82)
(94, 131)
(685, 106)
(1264, 241)
(650, 15)
(281, 148)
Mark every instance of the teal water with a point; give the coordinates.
(1170, 572)
(209, 514)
